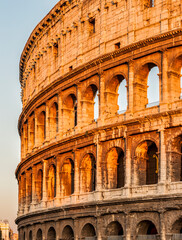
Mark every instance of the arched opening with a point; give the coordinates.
(68, 233)
(176, 159)
(39, 185)
(88, 173)
(96, 106)
(39, 235)
(177, 230)
(32, 133)
(67, 177)
(24, 236)
(29, 183)
(90, 104)
(30, 235)
(153, 86)
(115, 168)
(51, 184)
(70, 112)
(146, 163)
(122, 96)
(88, 231)
(116, 95)
(114, 230)
(51, 235)
(146, 228)
(41, 127)
(53, 120)
(146, 87)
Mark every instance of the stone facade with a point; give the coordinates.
(119, 174)
(5, 231)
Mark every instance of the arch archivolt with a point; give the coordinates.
(92, 81)
(120, 218)
(63, 159)
(67, 93)
(84, 154)
(154, 59)
(66, 223)
(139, 140)
(174, 59)
(51, 225)
(117, 143)
(147, 216)
(51, 102)
(171, 218)
(40, 109)
(50, 162)
(91, 221)
(110, 74)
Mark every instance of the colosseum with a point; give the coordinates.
(101, 123)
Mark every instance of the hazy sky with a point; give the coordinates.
(18, 18)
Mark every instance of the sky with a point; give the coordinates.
(18, 19)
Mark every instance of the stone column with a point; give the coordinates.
(98, 163)
(36, 131)
(162, 157)
(77, 172)
(99, 228)
(102, 97)
(34, 185)
(44, 190)
(60, 115)
(162, 227)
(130, 85)
(47, 123)
(57, 230)
(127, 163)
(79, 107)
(76, 229)
(127, 227)
(163, 80)
(58, 191)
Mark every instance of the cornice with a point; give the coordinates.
(58, 211)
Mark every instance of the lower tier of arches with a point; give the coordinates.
(149, 219)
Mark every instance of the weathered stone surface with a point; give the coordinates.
(119, 174)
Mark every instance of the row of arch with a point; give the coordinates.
(145, 172)
(114, 230)
(46, 123)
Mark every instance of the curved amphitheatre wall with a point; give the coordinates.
(103, 174)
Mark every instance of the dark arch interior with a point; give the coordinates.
(30, 235)
(120, 168)
(152, 176)
(147, 228)
(39, 235)
(114, 229)
(51, 235)
(67, 233)
(88, 231)
(177, 227)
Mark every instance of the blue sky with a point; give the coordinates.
(18, 19)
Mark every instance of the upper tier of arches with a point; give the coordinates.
(59, 45)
